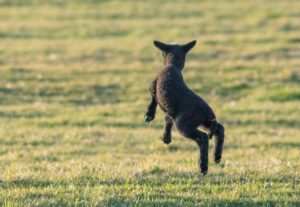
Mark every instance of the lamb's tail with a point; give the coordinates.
(213, 128)
(218, 130)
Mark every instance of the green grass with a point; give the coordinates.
(74, 78)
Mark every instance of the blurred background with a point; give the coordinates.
(74, 78)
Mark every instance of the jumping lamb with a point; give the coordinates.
(182, 106)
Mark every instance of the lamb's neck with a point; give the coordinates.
(174, 70)
(175, 62)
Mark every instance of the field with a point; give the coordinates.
(74, 78)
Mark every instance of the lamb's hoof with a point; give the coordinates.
(217, 160)
(148, 118)
(167, 139)
(204, 169)
(204, 172)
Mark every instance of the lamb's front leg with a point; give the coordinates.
(150, 114)
(167, 138)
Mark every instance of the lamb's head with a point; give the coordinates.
(174, 53)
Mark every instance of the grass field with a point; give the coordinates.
(74, 78)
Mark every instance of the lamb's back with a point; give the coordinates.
(173, 96)
(169, 88)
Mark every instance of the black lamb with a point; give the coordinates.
(182, 106)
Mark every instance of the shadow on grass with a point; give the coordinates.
(33, 115)
(27, 183)
(266, 146)
(24, 142)
(251, 111)
(133, 125)
(80, 96)
(284, 96)
(269, 122)
(279, 145)
(207, 56)
(235, 91)
(98, 122)
(41, 87)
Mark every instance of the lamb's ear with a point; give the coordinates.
(162, 46)
(186, 47)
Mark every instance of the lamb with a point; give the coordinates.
(182, 106)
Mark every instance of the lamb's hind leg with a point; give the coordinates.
(218, 144)
(203, 146)
(201, 139)
(167, 131)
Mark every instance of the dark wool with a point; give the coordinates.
(182, 106)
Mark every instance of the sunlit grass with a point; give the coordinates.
(74, 78)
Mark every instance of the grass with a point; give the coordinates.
(74, 78)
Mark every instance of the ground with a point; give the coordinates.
(74, 78)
